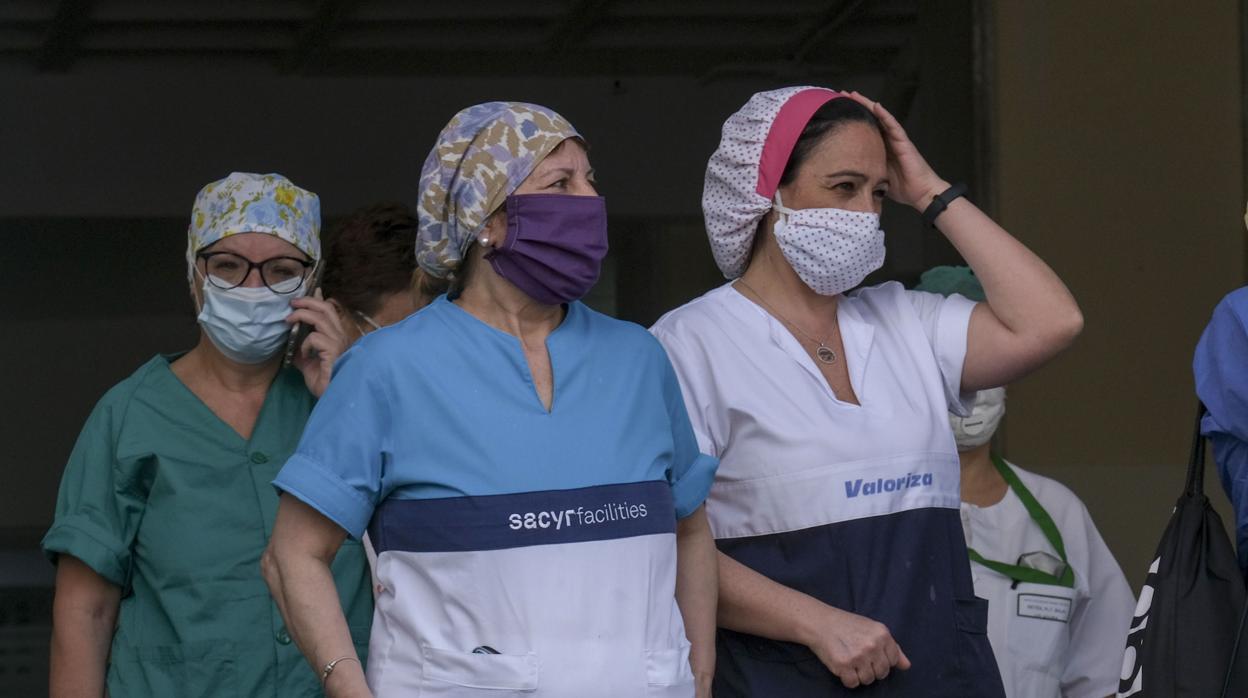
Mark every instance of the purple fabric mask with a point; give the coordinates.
(554, 247)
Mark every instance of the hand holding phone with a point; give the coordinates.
(300, 330)
(322, 344)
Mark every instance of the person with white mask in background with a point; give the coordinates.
(371, 276)
(372, 279)
(165, 504)
(1059, 605)
(835, 507)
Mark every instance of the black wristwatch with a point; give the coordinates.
(941, 201)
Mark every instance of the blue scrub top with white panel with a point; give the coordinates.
(544, 540)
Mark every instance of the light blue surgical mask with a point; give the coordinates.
(248, 325)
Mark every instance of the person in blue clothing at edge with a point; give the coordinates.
(523, 465)
(165, 504)
(843, 569)
(1221, 369)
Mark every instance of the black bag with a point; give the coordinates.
(1183, 637)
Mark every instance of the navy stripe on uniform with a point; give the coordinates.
(907, 570)
(497, 522)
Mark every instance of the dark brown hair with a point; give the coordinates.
(826, 120)
(371, 255)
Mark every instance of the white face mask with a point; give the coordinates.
(360, 328)
(367, 319)
(248, 325)
(831, 249)
(976, 430)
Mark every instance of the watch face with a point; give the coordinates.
(1043, 562)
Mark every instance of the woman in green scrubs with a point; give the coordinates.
(165, 505)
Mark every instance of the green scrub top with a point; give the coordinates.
(168, 502)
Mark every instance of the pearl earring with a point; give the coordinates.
(483, 240)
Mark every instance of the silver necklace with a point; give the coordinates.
(824, 353)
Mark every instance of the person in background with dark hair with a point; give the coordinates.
(835, 508)
(371, 277)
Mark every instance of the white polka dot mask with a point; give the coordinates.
(744, 171)
(831, 249)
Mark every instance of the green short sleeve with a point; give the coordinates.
(98, 507)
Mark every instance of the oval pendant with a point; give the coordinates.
(825, 354)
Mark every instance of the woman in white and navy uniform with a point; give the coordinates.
(524, 465)
(835, 506)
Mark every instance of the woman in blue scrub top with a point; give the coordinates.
(843, 569)
(523, 465)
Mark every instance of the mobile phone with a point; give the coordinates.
(300, 331)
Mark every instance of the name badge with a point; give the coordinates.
(1045, 607)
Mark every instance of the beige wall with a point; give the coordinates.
(1118, 154)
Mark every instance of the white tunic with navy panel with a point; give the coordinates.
(544, 541)
(856, 505)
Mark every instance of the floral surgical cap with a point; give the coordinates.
(481, 156)
(252, 203)
(744, 171)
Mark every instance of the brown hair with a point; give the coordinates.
(834, 114)
(371, 255)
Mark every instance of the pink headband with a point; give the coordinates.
(783, 135)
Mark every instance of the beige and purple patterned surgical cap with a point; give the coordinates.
(481, 156)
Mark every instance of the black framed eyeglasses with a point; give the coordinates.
(227, 270)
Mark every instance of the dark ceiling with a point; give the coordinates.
(707, 39)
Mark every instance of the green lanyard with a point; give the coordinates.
(1017, 572)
